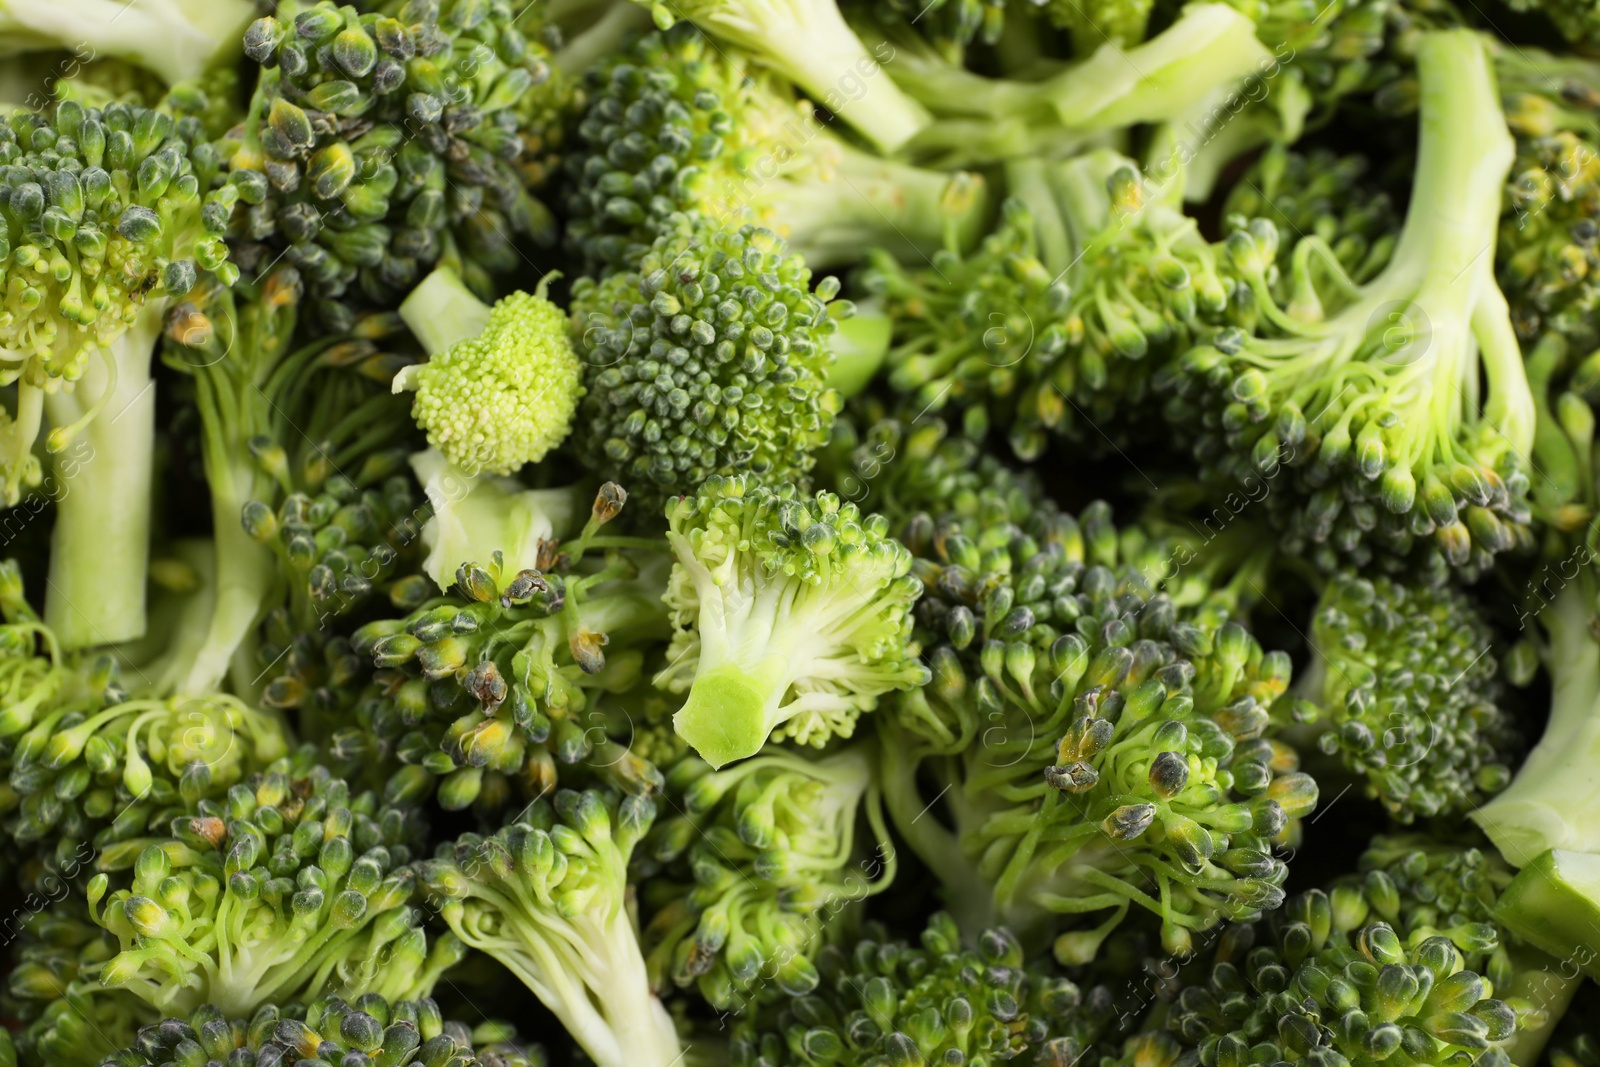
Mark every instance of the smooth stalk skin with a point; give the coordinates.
(859, 348)
(441, 311)
(1554, 905)
(177, 39)
(100, 547)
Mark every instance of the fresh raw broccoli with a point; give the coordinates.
(501, 383)
(291, 886)
(710, 357)
(1408, 676)
(380, 143)
(791, 616)
(762, 857)
(939, 1001)
(1364, 402)
(497, 680)
(678, 125)
(810, 44)
(109, 217)
(176, 39)
(1193, 64)
(1301, 989)
(1575, 19)
(369, 1028)
(1094, 748)
(547, 898)
(1057, 322)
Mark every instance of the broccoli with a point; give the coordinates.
(501, 384)
(381, 143)
(498, 679)
(109, 216)
(176, 39)
(710, 358)
(291, 886)
(1095, 749)
(546, 897)
(1408, 676)
(810, 44)
(369, 1028)
(1368, 396)
(678, 125)
(761, 857)
(934, 1002)
(791, 617)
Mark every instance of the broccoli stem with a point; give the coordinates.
(859, 348)
(100, 548)
(440, 312)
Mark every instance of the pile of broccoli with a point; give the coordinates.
(820, 533)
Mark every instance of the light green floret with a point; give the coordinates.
(501, 383)
(792, 616)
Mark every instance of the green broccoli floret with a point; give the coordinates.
(791, 616)
(1303, 990)
(710, 358)
(678, 125)
(1093, 747)
(501, 383)
(291, 886)
(1056, 324)
(1408, 678)
(762, 856)
(888, 1002)
(1199, 59)
(547, 898)
(382, 142)
(810, 44)
(108, 217)
(370, 1028)
(1364, 402)
(498, 679)
(176, 39)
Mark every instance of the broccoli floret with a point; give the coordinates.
(177, 39)
(109, 216)
(1363, 402)
(291, 886)
(547, 898)
(501, 383)
(497, 680)
(810, 44)
(380, 143)
(1409, 680)
(761, 858)
(370, 1028)
(678, 125)
(791, 617)
(1057, 322)
(938, 1001)
(1094, 748)
(710, 358)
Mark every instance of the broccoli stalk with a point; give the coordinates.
(177, 39)
(792, 617)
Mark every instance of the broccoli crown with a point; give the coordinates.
(710, 359)
(503, 679)
(548, 897)
(1051, 340)
(950, 25)
(887, 1002)
(370, 1030)
(381, 142)
(1396, 416)
(768, 846)
(504, 397)
(890, 461)
(1574, 18)
(1316, 193)
(1129, 737)
(1412, 695)
(1309, 992)
(791, 617)
(292, 882)
(104, 212)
